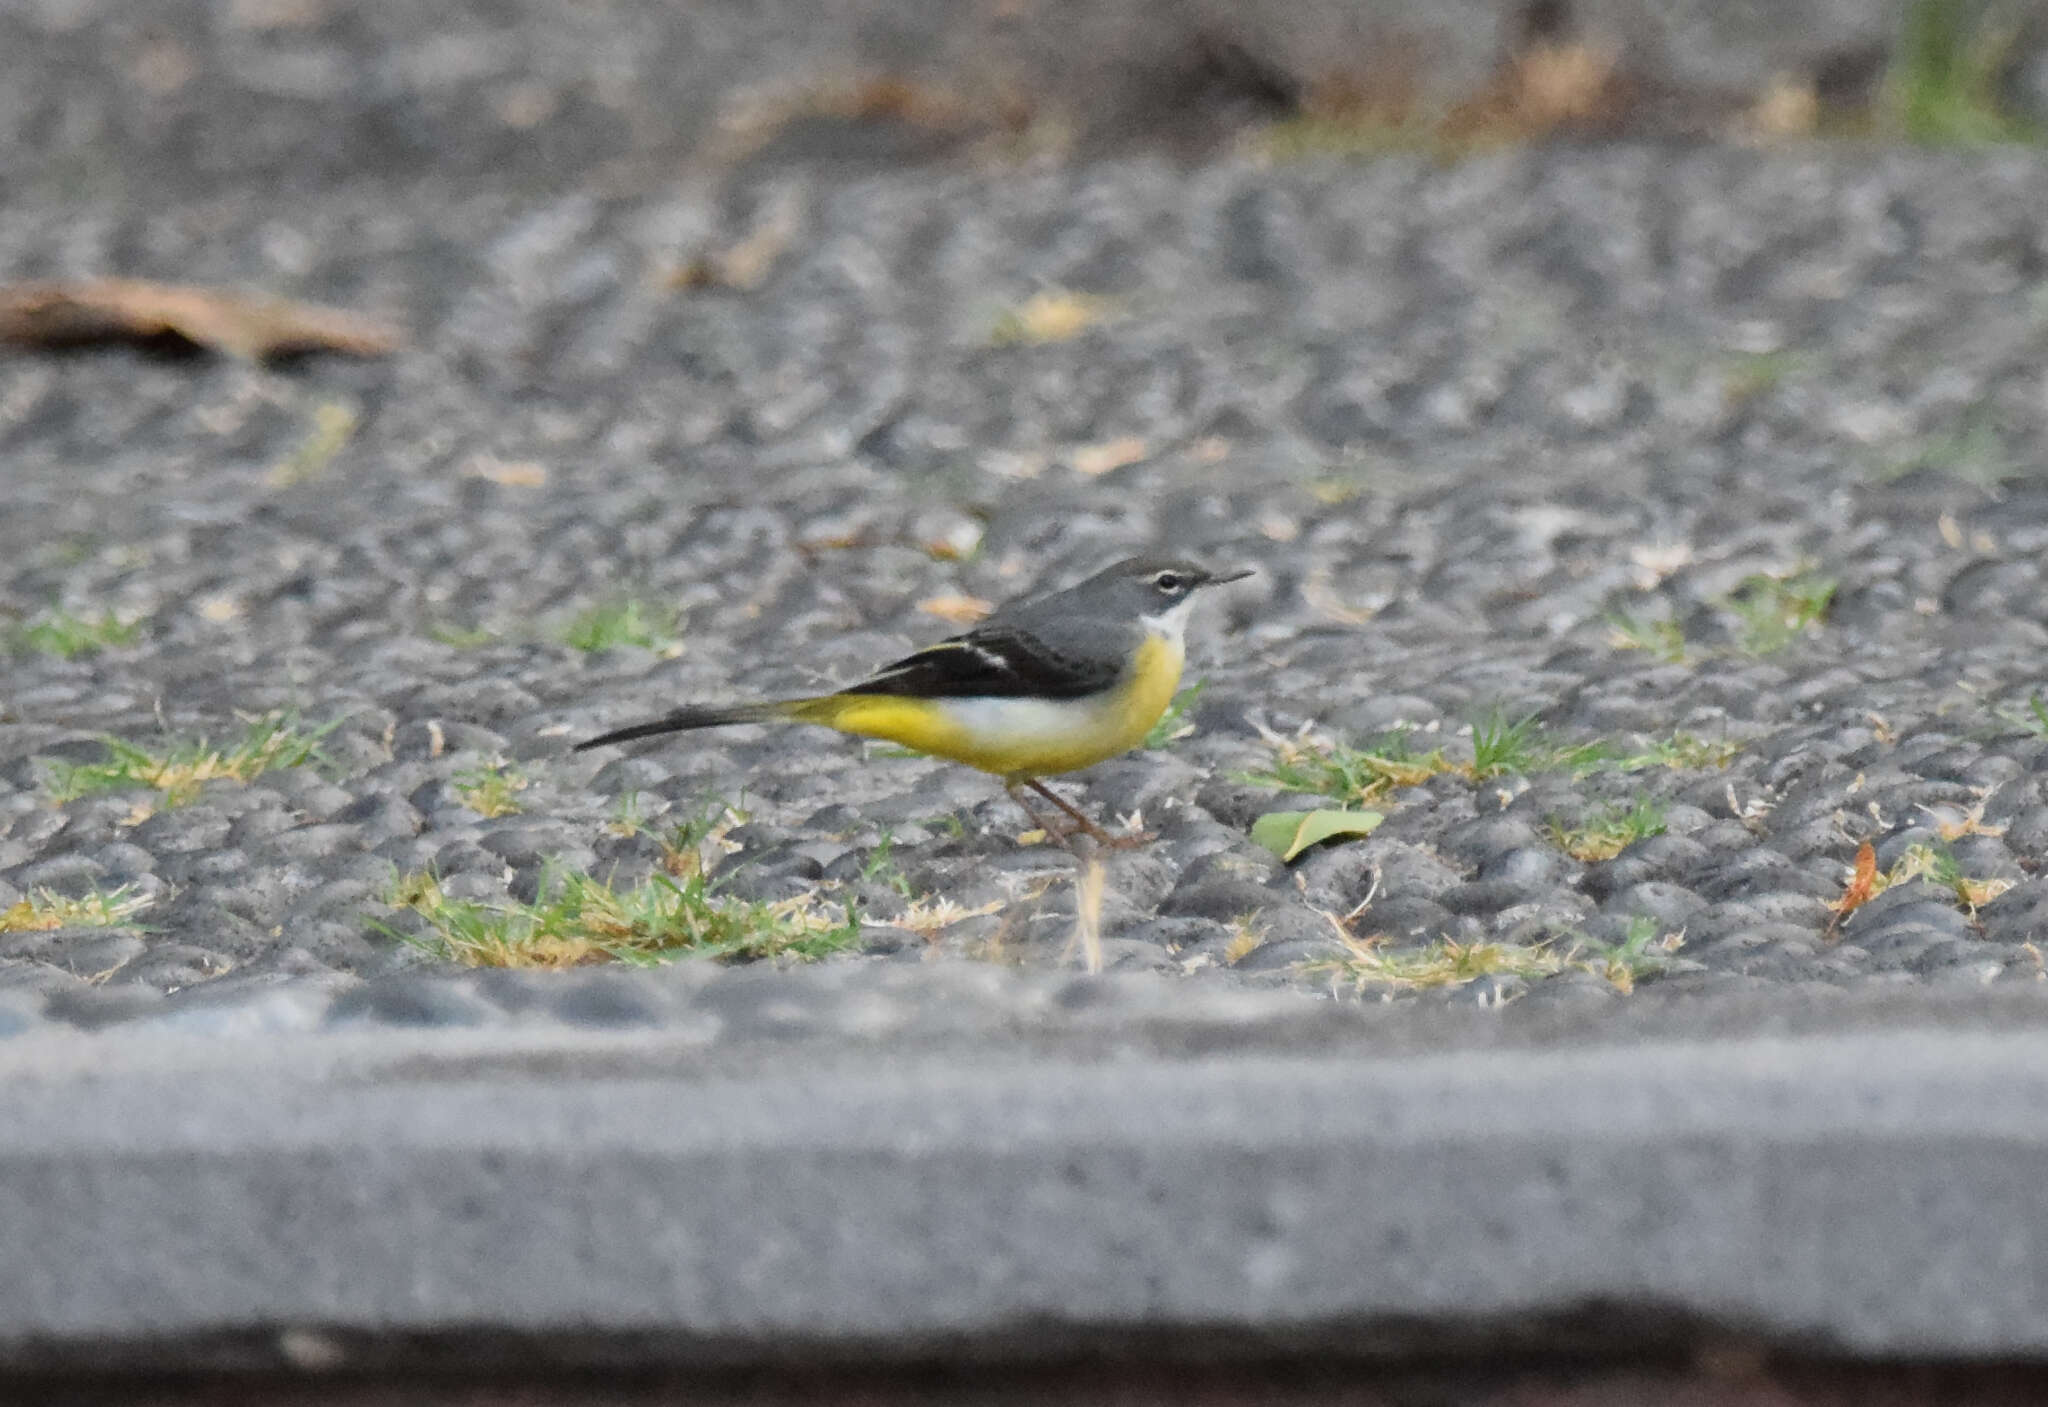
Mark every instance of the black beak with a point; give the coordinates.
(1220, 579)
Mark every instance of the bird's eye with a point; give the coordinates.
(1168, 582)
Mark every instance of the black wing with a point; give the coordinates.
(993, 662)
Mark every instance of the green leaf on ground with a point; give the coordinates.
(1288, 833)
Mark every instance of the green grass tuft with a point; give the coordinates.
(461, 637)
(683, 841)
(1664, 639)
(1525, 748)
(1943, 85)
(2037, 715)
(1365, 773)
(43, 910)
(1603, 836)
(1351, 135)
(1774, 612)
(178, 772)
(1370, 966)
(1771, 613)
(66, 635)
(490, 790)
(1681, 752)
(1644, 950)
(630, 816)
(1169, 728)
(577, 919)
(1499, 748)
(1050, 315)
(881, 867)
(1938, 865)
(334, 423)
(624, 622)
(1751, 375)
(1974, 451)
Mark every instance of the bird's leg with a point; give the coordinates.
(1052, 832)
(1095, 832)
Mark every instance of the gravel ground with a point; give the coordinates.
(1461, 418)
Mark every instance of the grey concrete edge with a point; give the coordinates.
(506, 1196)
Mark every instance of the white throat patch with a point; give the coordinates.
(1171, 623)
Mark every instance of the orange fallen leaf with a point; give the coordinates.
(960, 610)
(1862, 885)
(246, 325)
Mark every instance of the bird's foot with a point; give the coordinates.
(1082, 825)
(1105, 839)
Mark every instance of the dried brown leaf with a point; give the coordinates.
(960, 610)
(942, 114)
(512, 473)
(246, 325)
(1098, 459)
(1052, 315)
(1788, 107)
(1546, 87)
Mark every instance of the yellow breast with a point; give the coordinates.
(1147, 689)
(1019, 737)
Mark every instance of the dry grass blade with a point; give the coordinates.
(246, 325)
(1087, 935)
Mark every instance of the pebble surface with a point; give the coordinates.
(1474, 424)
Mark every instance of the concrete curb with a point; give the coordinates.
(508, 1196)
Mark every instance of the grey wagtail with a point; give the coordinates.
(1047, 684)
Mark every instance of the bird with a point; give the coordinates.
(1046, 685)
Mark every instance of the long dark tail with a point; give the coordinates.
(684, 719)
